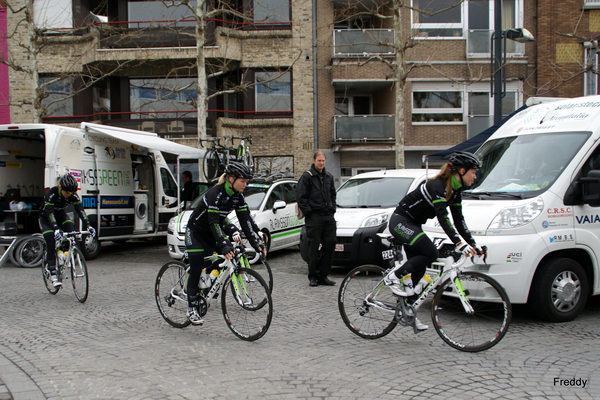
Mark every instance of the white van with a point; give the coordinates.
(125, 184)
(536, 204)
(365, 202)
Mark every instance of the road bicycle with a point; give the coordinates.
(245, 296)
(73, 265)
(243, 153)
(214, 161)
(470, 311)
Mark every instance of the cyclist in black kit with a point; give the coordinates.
(431, 200)
(208, 228)
(54, 220)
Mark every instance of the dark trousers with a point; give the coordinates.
(47, 229)
(320, 230)
(420, 250)
(197, 247)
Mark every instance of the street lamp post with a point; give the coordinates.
(498, 78)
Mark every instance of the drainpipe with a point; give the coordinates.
(314, 55)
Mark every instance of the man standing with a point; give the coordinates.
(187, 189)
(316, 198)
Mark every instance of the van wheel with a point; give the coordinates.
(90, 247)
(559, 290)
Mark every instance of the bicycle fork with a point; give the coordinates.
(462, 294)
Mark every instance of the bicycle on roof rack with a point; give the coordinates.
(215, 161)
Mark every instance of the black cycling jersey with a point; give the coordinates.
(429, 201)
(55, 202)
(211, 215)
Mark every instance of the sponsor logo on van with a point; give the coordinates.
(514, 257)
(116, 202)
(559, 212)
(588, 219)
(562, 238)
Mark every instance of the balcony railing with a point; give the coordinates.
(364, 127)
(356, 42)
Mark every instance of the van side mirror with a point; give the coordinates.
(591, 188)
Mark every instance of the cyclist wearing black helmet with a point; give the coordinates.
(431, 200)
(54, 219)
(208, 228)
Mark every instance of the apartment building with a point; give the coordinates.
(317, 74)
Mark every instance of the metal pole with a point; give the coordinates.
(497, 92)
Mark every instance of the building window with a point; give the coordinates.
(141, 12)
(270, 11)
(58, 100)
(273, 91)
(437, 107)
(266, 165)
(353, 105)
(437, 18)
(590, 82)
(163, 98)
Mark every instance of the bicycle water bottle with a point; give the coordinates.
(61, 257)
(408, 285)
(213, 276)
(422, 284)
(204, 280)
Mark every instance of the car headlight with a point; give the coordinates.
(171, 226)
(375, 220)
(514, 217)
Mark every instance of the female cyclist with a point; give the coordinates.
(431, 200)
(54, 219)
(208, 228)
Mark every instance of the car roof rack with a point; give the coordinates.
(270, 178)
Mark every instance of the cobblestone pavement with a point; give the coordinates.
(117, 346)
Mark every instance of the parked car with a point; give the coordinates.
(272, 203)
(364, 204)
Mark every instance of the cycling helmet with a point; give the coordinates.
(68, 183)
(464, 159)
(239, 170)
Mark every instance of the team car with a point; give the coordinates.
(272, 203)
(364, 204)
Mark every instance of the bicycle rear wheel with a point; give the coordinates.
(79, 275)
(366, 304)
(247, 305)
(211, 165)
(471, 332)
(169, 291)
(46, 276)
(29, 252)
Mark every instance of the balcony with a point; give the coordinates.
(363, 42)
(364, 128)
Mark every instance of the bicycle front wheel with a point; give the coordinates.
(210, 165)
(46, 276)
(476, 331)
(366, 304)
(169, 291)
(244, 156)
(79, 275)
(264, 270)
(29, 253)
(247, 305)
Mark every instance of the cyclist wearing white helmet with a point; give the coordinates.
(431, 200)
(208, 228)
(54, 219)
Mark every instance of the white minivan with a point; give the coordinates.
(536, 205)
(364, 204)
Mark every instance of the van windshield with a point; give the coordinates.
(524, 166)
(373, 192)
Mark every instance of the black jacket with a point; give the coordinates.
(53, 201)
(429, 201)
(316, 193)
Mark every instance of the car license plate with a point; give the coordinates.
(339, 247)
(387, 254)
